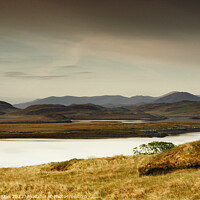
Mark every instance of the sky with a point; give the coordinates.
(92, 48)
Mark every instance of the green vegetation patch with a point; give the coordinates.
(180, 157)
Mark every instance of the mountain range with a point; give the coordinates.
(112, 100)
(176, 104)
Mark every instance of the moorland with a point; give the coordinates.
(121, 177)
(173, 174)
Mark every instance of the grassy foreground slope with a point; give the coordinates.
(100, 178)
(180, 157)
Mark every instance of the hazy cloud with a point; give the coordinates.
(15, 74)
(68, 67)
(18, 74)
(82, 73)
(16, 60)
(27, 76)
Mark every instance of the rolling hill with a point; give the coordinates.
(6, 107)
(81, 111)
(177, 109)
(43, 109)
(154, 111)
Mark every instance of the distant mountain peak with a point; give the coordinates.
(169, 93)
(176, 97)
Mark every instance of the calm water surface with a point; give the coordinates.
(25, 152)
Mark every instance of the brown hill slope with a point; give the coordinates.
(56, 108)
(83, 111)
(184, 108)
(180, 157)
(6, 107)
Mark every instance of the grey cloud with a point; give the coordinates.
(69, 67)
(11, 60)
(25, 60)
(7, 61)
(82, 73)
(27, 76)
(15, 74)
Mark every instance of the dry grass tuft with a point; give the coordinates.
(180, 157)
(63, 166)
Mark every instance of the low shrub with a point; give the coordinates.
(152, 148)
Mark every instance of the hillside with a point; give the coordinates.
(177, 97)
(100, 178)
(83, 111)
(153, 111)
(180, 157)
(56, 108)
(106, 100)
(6, 107)
(178, 109)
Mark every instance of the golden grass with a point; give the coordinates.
(180, 157)
(58, 127)
(100, 178)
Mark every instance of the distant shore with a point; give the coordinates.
(96, 130)
(97, 134)
(35, 122)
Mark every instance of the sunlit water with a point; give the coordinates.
(25, 152)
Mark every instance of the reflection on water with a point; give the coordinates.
(23, 152)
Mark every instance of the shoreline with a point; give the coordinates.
(96, 130)
(97, 134)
